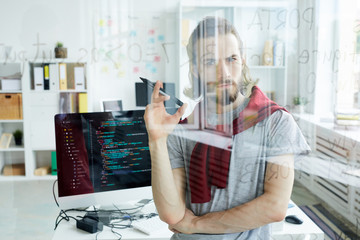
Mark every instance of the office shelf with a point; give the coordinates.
(13, 149)
(38, 110)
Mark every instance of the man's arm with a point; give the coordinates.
(168, 185)
(267, 208)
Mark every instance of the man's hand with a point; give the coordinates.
(159, 123)
(186, 225)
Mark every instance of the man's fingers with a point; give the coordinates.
(156, 91)
(160, 99)
(181, 110)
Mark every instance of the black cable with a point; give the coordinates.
(113, 231)
(115, 225)
(53, 190)
(62, 216)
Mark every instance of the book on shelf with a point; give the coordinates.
(5, 140)
(348, 117)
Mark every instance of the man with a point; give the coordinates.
(203, 190)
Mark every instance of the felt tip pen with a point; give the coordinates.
(162, 91)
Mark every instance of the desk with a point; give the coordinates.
(307, 230)
(68, 230)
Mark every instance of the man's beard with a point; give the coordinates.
(227, 97)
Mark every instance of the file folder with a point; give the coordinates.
(62, 76)
(46, 77)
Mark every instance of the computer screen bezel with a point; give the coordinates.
(105, 199)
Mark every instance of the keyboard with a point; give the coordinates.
(150, 225)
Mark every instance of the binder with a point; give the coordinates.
(73, 102)
(79, 75)
(70, 76)
(46, 76)
(54, 76)
(62, 76)
(38, 78)
(83, 108)
(53, 163)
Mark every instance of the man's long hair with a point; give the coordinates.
(212, 27)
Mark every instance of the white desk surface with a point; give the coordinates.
(286, 231)
(307, 230)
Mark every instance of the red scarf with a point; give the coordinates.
(209, 165)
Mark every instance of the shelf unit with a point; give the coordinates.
(39, 108)
(13, 154)
(256, 22)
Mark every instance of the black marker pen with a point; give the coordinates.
(162, 91)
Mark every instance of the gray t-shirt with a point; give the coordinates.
(276, 135)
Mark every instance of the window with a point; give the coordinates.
(347, 55)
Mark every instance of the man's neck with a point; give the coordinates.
(230, 107)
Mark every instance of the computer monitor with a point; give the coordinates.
(102, 158)
(143, 94)
(109, 105)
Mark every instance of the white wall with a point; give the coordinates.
(128, 42)
(32, 28)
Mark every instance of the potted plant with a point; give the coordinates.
(18, 134)
(60, 50)
(299, 103)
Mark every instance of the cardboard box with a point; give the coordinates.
(11, 106)
(14, 169)
(10, 84)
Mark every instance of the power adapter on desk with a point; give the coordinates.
(89, 225)
(104, 217)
